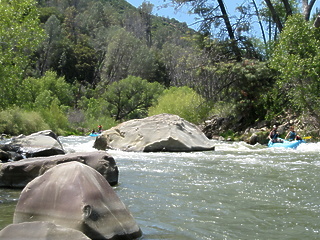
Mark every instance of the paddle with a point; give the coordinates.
(309, 137)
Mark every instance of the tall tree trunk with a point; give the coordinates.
(307, 7)
(145, 12)
(225, 16)
(260, 22)
(275, 16)
(287, 7)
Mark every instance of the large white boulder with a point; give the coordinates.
(163, 132)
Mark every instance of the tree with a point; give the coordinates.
(51, 46)
(41, 91)
(274, 15)
(145, 11)
(211, 17)
(131, 97)
(139, 23)
(20, 36)
(126, 55)
(307, 7)
(297, 57)
(280, 11)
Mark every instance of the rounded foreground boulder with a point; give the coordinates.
(76, 196)
(40, 231)
(159, 133)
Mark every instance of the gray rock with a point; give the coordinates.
(19, 174)
(76, 196)
(12, 153)
(40, 231)
(4, 156)
(163, 132)
(40, 144)
(253, 139)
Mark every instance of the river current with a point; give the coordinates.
(238, 191)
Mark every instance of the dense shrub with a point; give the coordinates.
(16, 121)
(182, 101)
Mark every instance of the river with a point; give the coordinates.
(237, 191)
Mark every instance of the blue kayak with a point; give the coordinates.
(286, 144)
(94, 134)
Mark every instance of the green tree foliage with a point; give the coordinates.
(95, 113)
(51, 47)
(50, 96)
(131, 97)
(126, 55)
(182, 101)
(42, 91)
(97, 61)
(275, 13)
(20, 35)
(297, 57)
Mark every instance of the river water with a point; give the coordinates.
(237, 191)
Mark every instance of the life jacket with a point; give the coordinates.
(292, 135)
(274, 135)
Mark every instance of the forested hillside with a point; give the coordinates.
(72, 65)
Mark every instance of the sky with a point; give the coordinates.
(182, 14)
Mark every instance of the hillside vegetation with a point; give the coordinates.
(72, 65)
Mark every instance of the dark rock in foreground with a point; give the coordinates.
(163, 132)
(40, 231)
(19, 174)
(76, 196)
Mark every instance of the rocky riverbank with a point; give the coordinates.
(231, 129)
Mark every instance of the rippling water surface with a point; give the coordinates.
(236, 192)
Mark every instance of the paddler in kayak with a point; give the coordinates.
(274, 135)
(292, 134)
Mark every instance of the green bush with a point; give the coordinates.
(55, 116)
(16, 121)
(223, 109)
(182, 101)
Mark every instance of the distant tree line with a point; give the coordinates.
(72, 65)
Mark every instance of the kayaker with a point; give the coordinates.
(274, 135)
(292, 134)
(100, 129)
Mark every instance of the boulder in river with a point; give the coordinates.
(19, 174)
(76, 196)
(163, 132)
(40, 231)
(39, 144)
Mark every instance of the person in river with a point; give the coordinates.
(274, 135)
(292, 134)
(100, 129)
